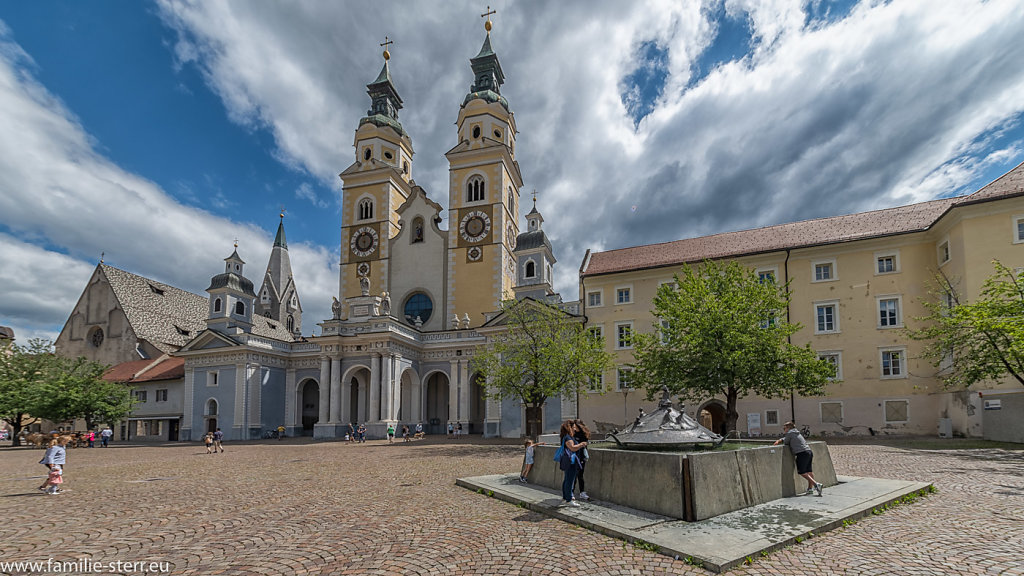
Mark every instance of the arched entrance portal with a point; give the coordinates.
(477, 404)
(437, 403)
(712, 417)
(409, 410)
(211, 415)
(309, 413)
(357, 393)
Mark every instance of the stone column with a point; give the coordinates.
(492, 414)
(453, 391)
(292, 404)
(325, 396)
(396, 387)
(189, 403)
(387, 385)
(374, 408)
(238, 414)
(464, 392)
(255, 395)
(344, 409)
(335, 411)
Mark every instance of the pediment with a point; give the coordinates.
(208, 340)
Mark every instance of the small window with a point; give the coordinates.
(417, 230)
(366, 154)
(597, 333)
(290, 324)
(140, 396)
(836, 360)
(831, 412)
(887, 263)
(766, 276)
(771, 418)
(388, 155)
(595, 383)
(497, 134)
(156, 290)
(897, 411)
(623, 296)
(944, 252)
(594, 299)
(889, 313)
(211, 378)
(624, 379)
(240, 308)
(893, 364)
(476, 131)
(405, 167)
(475, 189)
(624, 335)
(531, 270)
(365, 209)
(664, 331)
(1018, 229)
(161, 395)
(211, 407)
(826, 318)
(824, 271)
(511, 200)
(216, 305)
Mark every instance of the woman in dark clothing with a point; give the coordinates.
(582, 434)
(569, 444)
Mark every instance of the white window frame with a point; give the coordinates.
(662, 327)
(833, 270)
(595, 388)
(1017, 220)
(899, 311)
(839, 362)
(903, 362)
(358, 216)
(628, 287)
(671, 283)
(600, 298)
(526, 267)
(483, 192)
(895, 255)
(619, 370)
(141, 396)
(842, 411)
(767, 421)
(836, 328)
(619, 325)
(773, 270)
(599, 328)
(940, 251)
(212, 378)
(885, 417)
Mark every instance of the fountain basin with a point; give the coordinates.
(692, 485)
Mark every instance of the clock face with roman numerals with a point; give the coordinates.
(475, 226)
(364, 241)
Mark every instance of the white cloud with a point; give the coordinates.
(64, 204)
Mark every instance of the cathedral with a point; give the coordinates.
(411, 296)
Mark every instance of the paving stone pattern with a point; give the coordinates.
(333, 508)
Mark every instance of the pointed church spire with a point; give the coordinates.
(384, 98)
(279, 240)
(487, 74)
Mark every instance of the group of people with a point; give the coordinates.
(573, 456)
(214, 441)
(454, 430)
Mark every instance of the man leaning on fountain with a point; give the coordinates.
(802, 453)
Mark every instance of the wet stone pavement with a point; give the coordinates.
(296, 507)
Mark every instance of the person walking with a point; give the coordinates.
(568, 461)
(451, 430)
(405, 433)
(803, 455)
(351, 432)
(362, 433)
(391, 433)
(54, 459)
(105, 435)
(92, 438)
(208, 439)
(218, 440)
(582, 434)
(458, 429)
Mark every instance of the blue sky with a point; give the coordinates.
(158, 132)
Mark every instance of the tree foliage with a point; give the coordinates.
(973, 342)
(36, 383)
(543, 352)
(722, 332)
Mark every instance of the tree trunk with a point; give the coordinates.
(731, 415)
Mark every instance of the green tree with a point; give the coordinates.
(972, 342)
(538, 351)
(78, 390)
(24, 374)
(722, 332)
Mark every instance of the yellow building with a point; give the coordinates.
(857, 281)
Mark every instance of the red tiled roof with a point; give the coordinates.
(833, 230)
(167, 368)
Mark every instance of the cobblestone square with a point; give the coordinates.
(297, 507)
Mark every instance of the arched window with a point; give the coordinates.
(240, 308)
(216, 305)
(290, 324)
(417, 230)
(475, 189)
(365, 209)
(531, 269)
(511, 200)
(211, 407)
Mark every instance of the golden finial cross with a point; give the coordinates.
(387, 42)
(282, 211)
(534, 197)
(487, 24)
(236, 242)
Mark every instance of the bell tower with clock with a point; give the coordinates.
(375, 185)
(483, 197)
